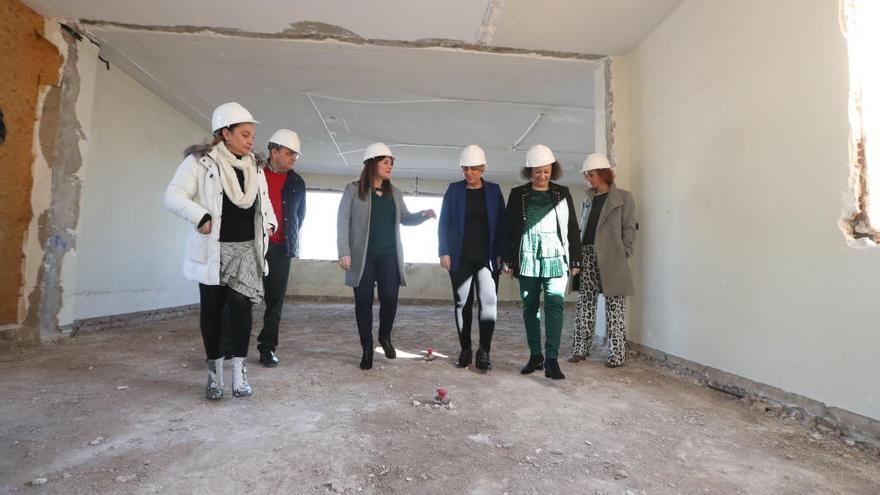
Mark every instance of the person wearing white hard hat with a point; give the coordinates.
(368, 242)
(469, 234)
(287, 193)
(221, 191)
(608, 231)
(541, 249)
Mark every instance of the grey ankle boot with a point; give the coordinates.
(214, 390)
(240, 385)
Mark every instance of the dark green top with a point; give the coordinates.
(382, 216)
(541, 250)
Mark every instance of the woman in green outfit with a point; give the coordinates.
(540, 248)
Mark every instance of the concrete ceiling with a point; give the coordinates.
(601, 27)
(349, 73)
(426, 102)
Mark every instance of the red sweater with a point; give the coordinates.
(276, 184)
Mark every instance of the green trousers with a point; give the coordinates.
(554, 296)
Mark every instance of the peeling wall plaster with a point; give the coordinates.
(319, 31)
(36, 63)
(63, 149)
(489, 26)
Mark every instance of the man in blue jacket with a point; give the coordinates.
(287, 192)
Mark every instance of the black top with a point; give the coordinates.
(593, 220)
(382, 233)
(475, 242)
(238, 223)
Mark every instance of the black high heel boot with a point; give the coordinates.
(552, 370)
(367, 358)
(535, 363)
(482, 361)
(390, 353)
(464, 359)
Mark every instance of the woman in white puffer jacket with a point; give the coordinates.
(220, 190)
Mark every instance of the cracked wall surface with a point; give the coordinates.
(36, 63)
(57, 232)
(307, 30)
(489, 25)
(859, 221)
(63, 125)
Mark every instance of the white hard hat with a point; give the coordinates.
(538, 156)
(472, 156)
(595, 161)
(377, 149)
(230, 113)
(286, 138)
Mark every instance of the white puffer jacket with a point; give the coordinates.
(195, 190)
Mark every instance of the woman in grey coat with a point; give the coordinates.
(608, 230)
(370, 251)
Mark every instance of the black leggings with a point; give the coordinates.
(381, 271)
(213, 299)
(466, 277)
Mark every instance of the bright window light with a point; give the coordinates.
(318, 233)
(420, 242)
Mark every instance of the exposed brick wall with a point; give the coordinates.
(28, 61)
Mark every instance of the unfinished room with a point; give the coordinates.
(419, 247)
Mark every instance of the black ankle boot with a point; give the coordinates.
(464, 358)
(367, 358)
(482, 361)
(552, 370)
(390, 353)
(535, 363)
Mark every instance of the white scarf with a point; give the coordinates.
(227, 162)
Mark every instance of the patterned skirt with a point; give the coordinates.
(240, 270)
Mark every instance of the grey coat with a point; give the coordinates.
(615, 235)
(353, 230)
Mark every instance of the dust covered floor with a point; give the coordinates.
(122, 411)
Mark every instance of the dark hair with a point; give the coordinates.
(606, 174)
(555, 172)
(218, 134)
(365, 181)
(275, 146)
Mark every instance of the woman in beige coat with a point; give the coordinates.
(608, 230)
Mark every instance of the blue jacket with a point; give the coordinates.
(293, 211)
(450, 230)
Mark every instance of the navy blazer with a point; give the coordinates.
(293, 209)
(450, 230)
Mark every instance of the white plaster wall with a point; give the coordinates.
(738, 134)
(129, 248)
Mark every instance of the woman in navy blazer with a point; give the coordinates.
(469, 238)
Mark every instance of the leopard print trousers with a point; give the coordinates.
(585, 318)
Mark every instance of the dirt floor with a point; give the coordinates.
(123, 411)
